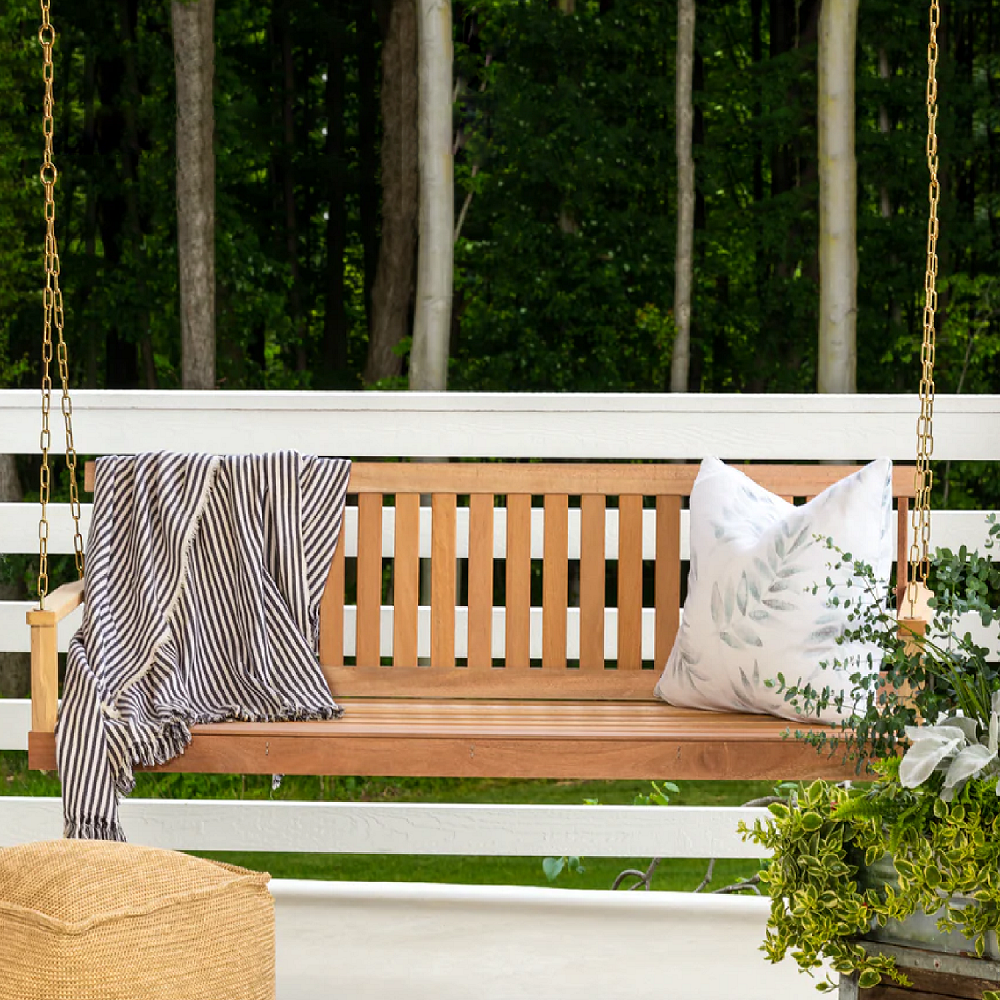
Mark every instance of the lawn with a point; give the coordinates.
(599, 873)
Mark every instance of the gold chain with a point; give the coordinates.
(52, 316)
(921, 520)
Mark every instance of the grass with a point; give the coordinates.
(599, 873)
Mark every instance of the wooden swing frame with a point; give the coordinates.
(506, 715)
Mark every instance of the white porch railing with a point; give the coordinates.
(379, 940)
(406, 828)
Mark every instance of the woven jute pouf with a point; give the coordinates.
(95, 920)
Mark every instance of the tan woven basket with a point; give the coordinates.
(94, 920)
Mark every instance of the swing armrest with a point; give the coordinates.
(58, 604)
(45, 655)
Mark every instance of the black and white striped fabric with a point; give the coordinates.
(203, 583)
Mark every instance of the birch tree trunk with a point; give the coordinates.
(194, 50)
(680, 362)
(393, 287)
(885, 202)
(838, 254)
(435, 258)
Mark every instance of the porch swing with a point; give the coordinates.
(499, 714)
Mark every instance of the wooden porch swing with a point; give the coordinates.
(568, 713)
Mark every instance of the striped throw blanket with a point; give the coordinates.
(203, 583)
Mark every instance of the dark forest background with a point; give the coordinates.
(557, 117)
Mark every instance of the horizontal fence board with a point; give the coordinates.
(19, 527)
(15, 721)
(19, 531)
(406, 828)
(15, 635)
(512, 425)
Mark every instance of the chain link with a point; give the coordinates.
(52, 318)
(921, 518)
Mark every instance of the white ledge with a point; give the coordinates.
(406, 828)
(513, 425)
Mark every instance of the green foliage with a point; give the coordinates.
(567, 248)
(565, 129)
(938, 825)
(659, 795)
(946, 674)
(554, 866)
(822, 897)
(566, 240)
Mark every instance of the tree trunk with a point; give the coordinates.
(95, 337)
(367, 147)
(131, 152)
(120, 368)
(885, 202)
(284, 15)
(756, 54)
(335, 317)
(394, 276)
(435, 261)
(683, 264)
(15, 668)
(838, 255)
(194, 50)
(568, 223)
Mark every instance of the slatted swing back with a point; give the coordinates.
(485, 513)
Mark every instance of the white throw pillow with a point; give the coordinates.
(750, 613)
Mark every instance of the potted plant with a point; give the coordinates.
(913, 857)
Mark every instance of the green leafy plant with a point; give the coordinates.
(821, 900)
(659, 795)
(553, 867)
(929, 723)
(945, 675)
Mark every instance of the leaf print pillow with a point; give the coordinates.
(750, 613)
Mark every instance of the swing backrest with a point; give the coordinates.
(522, 559)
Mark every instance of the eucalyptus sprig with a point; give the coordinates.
(946, 674)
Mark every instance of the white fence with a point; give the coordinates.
(449, 941)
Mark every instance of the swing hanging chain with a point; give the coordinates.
(919, 556)
(52, 318)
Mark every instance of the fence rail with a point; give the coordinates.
(512, 425)
(406, 828)
(19, 531)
